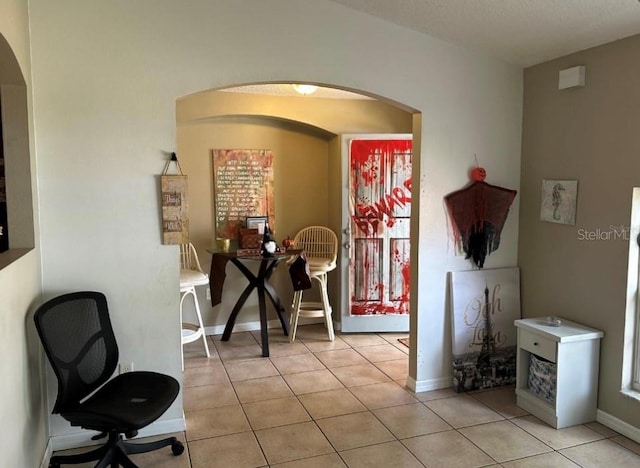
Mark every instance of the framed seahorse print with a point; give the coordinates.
(559, 201)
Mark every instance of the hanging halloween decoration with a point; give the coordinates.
(478, 174)
(478, 213)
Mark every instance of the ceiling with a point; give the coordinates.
(521, 32)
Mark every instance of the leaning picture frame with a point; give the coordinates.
(256, 222)
(484, 305)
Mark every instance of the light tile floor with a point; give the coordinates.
(314, 403)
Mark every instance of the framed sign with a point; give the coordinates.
(175, 209)
(484, 305)
(243, 187)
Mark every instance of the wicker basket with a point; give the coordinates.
(542, 378)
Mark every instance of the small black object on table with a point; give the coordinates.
(259, 281)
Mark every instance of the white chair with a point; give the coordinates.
(320, 245)
(191, 275)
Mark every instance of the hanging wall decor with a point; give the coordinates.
(484, 305)
(478, 213)
(243, 187)
(558, 204)
(175, 209)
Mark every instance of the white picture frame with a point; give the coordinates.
(256, 222)
(484, 305)
(559, 201)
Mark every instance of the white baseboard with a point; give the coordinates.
(83, 438)
(619, 426)
(254, 326)
(418, 386)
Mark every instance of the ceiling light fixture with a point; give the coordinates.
(304, 89)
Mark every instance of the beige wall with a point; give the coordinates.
(22, 408)
(307, 168)
(299, 166)
(589, 134)
(300, 192)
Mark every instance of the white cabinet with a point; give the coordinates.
(574, 353)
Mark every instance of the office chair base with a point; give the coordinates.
(115, 451)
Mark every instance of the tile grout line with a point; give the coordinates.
(311, 419)
(369, 410)
(253, 432)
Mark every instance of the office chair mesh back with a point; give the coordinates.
(78, 338)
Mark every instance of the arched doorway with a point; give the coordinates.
(265, 115)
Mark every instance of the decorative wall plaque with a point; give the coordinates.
(175, 207)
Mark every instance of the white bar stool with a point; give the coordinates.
(191, 275)
(320, 246)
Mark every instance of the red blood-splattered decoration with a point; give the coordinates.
(478, 213)
(380, 175)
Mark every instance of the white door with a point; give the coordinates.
(375, 240)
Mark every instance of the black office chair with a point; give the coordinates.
(76, 333)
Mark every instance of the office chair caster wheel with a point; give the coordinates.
(177, 448)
